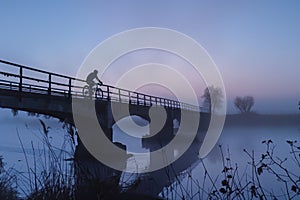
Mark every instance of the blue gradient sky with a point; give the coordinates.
(255, 44)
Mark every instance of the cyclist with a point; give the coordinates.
(90, 80)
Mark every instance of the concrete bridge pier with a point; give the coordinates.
(87, 168)
(165, 134)
(105, 118)
(161, 136)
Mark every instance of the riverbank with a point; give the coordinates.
(253, 119)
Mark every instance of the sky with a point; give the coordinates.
(255, 44)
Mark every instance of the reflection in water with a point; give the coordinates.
(153, 183)
(139, 160)
(233, 141)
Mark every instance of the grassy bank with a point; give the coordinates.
(253, 119)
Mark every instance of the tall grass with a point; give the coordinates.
(53, 173)
(49, 174)
(8, 189)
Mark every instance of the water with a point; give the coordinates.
(250, 138)
(233, 142)
(234, 139)
(22, 143)
(27, 131)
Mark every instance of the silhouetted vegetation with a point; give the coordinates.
(7, 180)
(244, 104)
(232, 183)
(213, 97)
(52, 175)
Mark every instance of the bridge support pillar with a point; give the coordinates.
(89, 171)
(161, 139)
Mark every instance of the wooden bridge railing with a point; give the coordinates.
(27, 79)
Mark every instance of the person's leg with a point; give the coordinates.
(91, 85)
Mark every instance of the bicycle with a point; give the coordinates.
(96, 91)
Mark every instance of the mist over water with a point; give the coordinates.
(233, 141)
(23, 130)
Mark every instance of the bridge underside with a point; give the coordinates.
(55, 106)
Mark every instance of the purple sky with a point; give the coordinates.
(255, 44)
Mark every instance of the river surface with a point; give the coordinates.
(233, 141)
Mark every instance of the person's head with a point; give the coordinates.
(96, 71)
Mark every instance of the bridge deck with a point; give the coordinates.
(16, 77)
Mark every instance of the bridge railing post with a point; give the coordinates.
(108, 92)
(21, 79)
(49, 86)
(119, 92)
(129, 94)
(70, 87)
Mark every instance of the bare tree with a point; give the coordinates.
(244, 104)
(213, 98)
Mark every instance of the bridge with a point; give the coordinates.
(34, 90)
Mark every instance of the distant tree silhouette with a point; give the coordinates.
(213, 97)
(244, 104)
